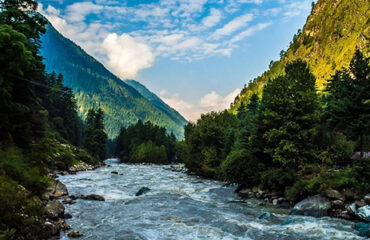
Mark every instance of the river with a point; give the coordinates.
(180, 206)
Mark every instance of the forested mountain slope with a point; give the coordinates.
(156, 101)
(94, 86)
(332, 33)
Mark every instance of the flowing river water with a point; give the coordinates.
(180, 206)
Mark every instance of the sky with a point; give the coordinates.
(194, 54)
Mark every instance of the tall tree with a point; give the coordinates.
(348, 100)
(290, 111)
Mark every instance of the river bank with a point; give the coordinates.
(178, 205)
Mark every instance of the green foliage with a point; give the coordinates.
(331, 35)
(290, 113)
(95, 87)
(148, 152)
(134, 143)
(277, 179)
(209, 141)
(16, 166)
(20, 216)
(243, 167)
(95, 136)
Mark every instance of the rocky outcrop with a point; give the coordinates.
(75, 234)
(315, 206)
(364, 213)
(56, 190)
(81, 166)
(334, 195)
(54, 209)
(93, 197)
(142, 191)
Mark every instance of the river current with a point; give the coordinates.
(180, 206)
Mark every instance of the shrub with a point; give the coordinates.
(241, 167)
(14, 165)
(20, 217)
(150, 153)
(278, 179)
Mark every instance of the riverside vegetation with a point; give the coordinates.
(40, 130)
(281, 134)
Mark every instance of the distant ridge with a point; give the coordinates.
(95, 86)
(331, 35)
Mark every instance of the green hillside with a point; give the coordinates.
(94, 86)
(157, 102)
(333, 31)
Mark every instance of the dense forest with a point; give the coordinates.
(123, 102)
(327, 42)
(294, 139)
(40, 129)
(146, 143)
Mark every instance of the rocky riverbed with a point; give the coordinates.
(121, 201)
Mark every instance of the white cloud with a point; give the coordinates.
(213, 18)
(78, 11)
(126, 56)
(209, 102)
(250, 31)
(232, 26)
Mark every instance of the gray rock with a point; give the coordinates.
(364, 213)
(51, 228)
(367, 198)
(351, 209)
(337, 204)
(348, 194)
(93, 197)
(55, 190)
(334, 195)
(142, 191)
(315, 206)
(54, 209)
(360, 204)
(114, 172)
(75, 234)
(244, 193)
(274, 202)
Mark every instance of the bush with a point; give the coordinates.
(14, 165)
(20, 217)
(84, 156)
(278, 179)
(149, 153)
(241, 167)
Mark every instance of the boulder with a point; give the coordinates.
(284, 204)
(93, 197)
(337, 204)
(363, 229)
(75, 234)
(67, 215)
(63, 225)
(81, 166)
(142, 191)
(114, 172)
(360, 203)
(334, 195)
(55, 190)
(348, 194)
(367, 198)
(255, 189)
(315, 206)
(244, 193)
(54, 209)
(59, 189)
(274, 202)
(351, 209)
(51, 228)
(68, 201)
(364, 213)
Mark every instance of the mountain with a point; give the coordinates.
(333, 31)
(157, 102)
(95, 86)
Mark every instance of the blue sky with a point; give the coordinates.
(195, 54)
